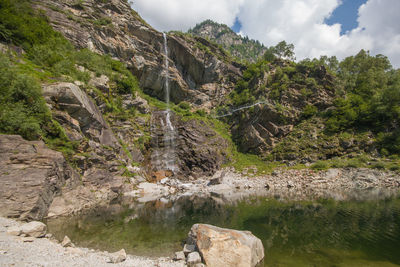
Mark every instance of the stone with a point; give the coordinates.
(117, 257)
(188, 249)
(214, 181)
(100, 82)
(193, 258)
(34, 229)
(179, 256)
(70, 98)
(67, 242)
(14, 230)
(49, 236)
(226, 247)
(31, 176)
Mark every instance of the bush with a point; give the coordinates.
(23, 110)
(309, 111)
(184, 105)
(320, 165)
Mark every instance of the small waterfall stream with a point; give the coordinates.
(164, 134)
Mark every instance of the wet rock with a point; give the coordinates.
(226, 247)
(117, 257)
(34, 229)
(32, 175)
(193, 258)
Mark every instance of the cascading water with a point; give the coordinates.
(164, 134)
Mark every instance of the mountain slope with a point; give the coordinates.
(240, 47)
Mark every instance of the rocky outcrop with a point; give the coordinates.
(194, 148)
(220, 247)
(197, 75)
(240, 47)
(31, 176)
(280, 105)
(80, 113)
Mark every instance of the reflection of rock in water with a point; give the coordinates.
(184, 209)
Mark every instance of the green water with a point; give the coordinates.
(320, 233)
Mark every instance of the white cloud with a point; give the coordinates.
(300, 22)
(167, 15)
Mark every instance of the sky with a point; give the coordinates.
(315, 27)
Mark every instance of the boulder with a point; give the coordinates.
(117, 257)
(67, 242)
(220, 247)
(193, 258)
(34, 229)
(187, 249)
(31, 176)
(71, 99)
(179, 256)
(14, 230)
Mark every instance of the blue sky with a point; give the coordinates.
(346, 14)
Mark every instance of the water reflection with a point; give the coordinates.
(320, 233)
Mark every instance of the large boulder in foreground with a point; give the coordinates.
(220, 247)
(31, 175)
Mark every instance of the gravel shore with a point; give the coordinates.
(26, 251)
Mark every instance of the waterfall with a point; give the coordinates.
(164, 134)
(169, 130)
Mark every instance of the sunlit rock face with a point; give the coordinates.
(200, 76)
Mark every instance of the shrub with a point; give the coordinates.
(309, 111)
(22, 108)
(320, 165)
(184, 105)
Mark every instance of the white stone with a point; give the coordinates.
(34, 229)
(117, 257)
(193, 259)
(179, 256)
(67, 242)
(14, 230)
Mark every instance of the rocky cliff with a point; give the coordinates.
(199, 76)
(242, 48)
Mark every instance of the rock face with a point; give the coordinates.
(239, 47)
(31, 176)
(197, 149)
(221, 247)
(201, 76)
(258, 129)
(85, 115)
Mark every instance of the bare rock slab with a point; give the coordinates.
(222, 247)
